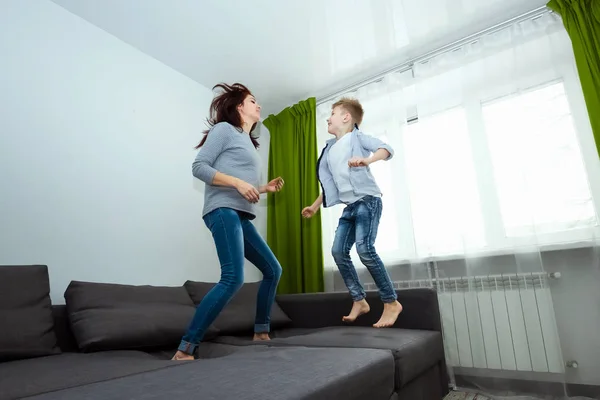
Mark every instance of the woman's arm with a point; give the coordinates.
(215, 143)
(202, 167)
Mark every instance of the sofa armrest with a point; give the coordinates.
(319, 310)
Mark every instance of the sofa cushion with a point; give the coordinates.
(24, 378)
(414, 351)
(26, 313)
(292, 373)
(238, 316)
(107, 316)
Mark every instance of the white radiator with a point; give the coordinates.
(501, 322)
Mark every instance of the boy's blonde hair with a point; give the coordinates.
(352, 106)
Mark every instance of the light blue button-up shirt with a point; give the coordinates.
(362, 180)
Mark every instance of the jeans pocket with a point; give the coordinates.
(373, 203)
(209, 219)
(206, 219)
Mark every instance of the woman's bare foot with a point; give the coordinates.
(389, 316)
(358, 308)
(260, 337)
(181, 356)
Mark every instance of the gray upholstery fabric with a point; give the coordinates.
(414, 351)
(25, 312)
(113, 317)
(208, 350)
(40, 375)
(47, 374)
(322, 310)
(64, 336)
(424, 387)
(319, 310)
(277, 374)
(238, 315)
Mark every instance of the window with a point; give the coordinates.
(494, 152)
(540, 176)
(444, 198)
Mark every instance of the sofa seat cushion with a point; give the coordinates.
(24, 378)
(414, 351)
(271, 374)
(26, 313)
(238, 316)
(106, 316)
(47, 374)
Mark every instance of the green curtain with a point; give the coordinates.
(582, 21)
(295, 241)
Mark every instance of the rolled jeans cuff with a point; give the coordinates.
(262, 328)
(187, 348)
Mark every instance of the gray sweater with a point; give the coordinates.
(231, 152)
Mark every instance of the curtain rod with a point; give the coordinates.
(405, 66)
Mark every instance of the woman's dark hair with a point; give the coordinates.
(224, 109)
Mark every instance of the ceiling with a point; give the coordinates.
(286, 51)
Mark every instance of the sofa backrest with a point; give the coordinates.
(95, 317)
(26, 313)
(101, 316)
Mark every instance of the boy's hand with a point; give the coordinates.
(358, 162)
(308, 212)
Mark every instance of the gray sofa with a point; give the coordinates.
(115, 342)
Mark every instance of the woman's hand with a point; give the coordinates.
(274, 186)
(248, 191)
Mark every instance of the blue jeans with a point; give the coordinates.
(235, 238)
(358, 224)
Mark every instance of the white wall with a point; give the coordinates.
(96, 149)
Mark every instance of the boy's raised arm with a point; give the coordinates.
(374, 144)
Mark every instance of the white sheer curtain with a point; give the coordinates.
(493, 149)
(494, 183)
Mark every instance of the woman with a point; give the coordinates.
(229, 165)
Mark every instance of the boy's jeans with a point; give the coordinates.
(358, 224)
(235, 238)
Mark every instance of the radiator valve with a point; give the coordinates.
(572, 364)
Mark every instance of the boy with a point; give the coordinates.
(345, 177)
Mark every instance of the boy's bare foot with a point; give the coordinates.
(260, 337)
(389, 316)
(181, 356)
(358, 308)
